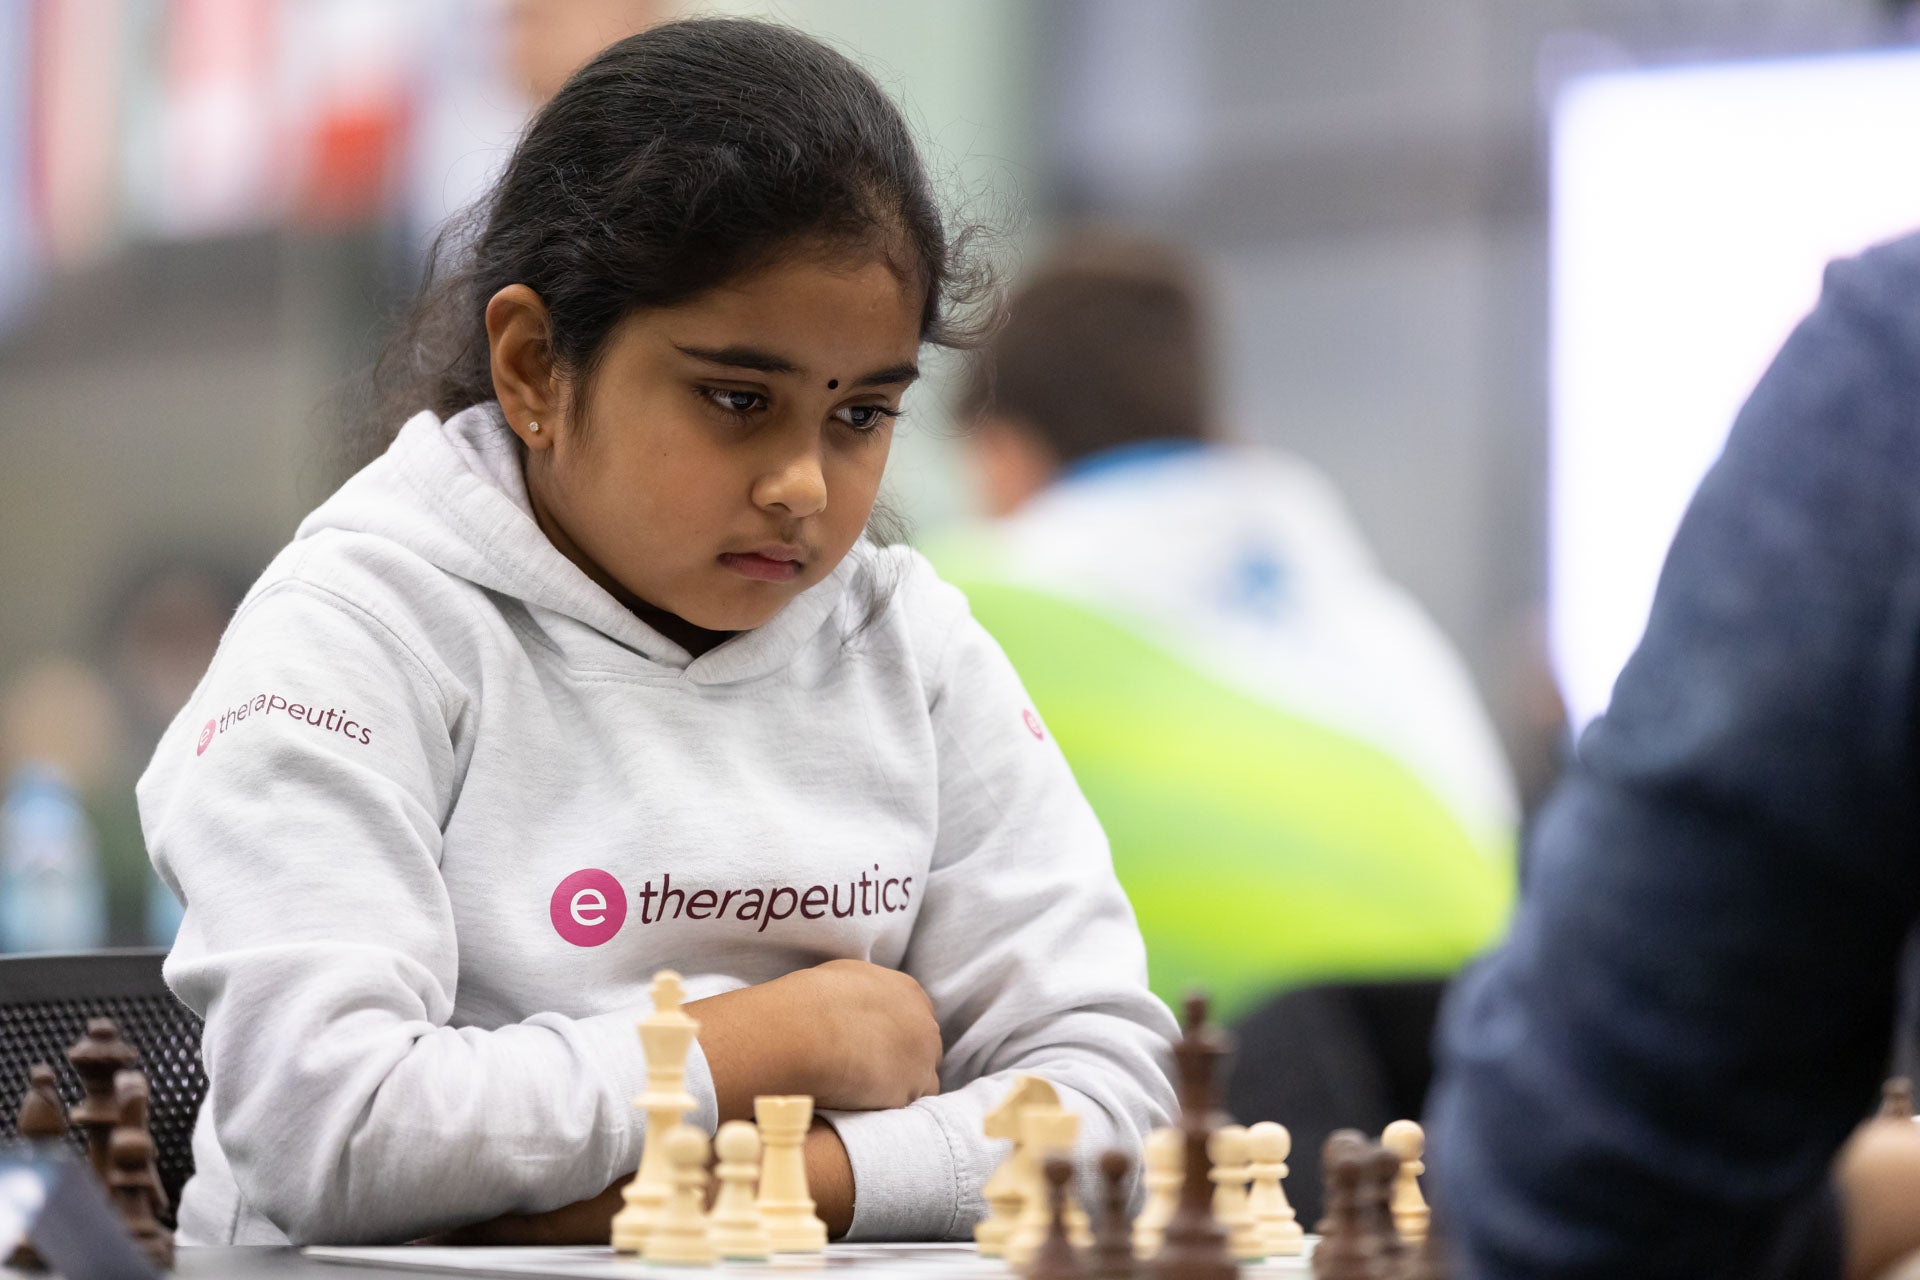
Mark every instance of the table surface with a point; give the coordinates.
(953, 1262)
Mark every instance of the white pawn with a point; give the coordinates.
(679, 1234)
(1165, 1163)
(735, 1220)
(1268, 1146)
(785, 1204)
(1411, 1215)
(1227, 1152)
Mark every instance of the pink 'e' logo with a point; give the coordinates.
(588, 908)
(206, 739)
(1033, 723)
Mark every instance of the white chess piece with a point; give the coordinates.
(785, 1205)
(1166, 1158)
(679, 1233)
(1268, 1146)
(1227, 1153)
(1411, 1215)
(667, 1036)
(737, 1231)
(1006, 1191)
(1045, 1131)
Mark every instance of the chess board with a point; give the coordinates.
(597, 1262)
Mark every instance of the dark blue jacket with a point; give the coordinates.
(1651, 1076)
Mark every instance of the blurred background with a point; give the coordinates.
(1500, 270)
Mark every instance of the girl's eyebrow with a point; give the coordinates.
(740, 358)
(759, 361)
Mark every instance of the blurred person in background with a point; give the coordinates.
(548, 40)
(1653, 1075)
(1298, 780)
(160, 634)
(59, 731)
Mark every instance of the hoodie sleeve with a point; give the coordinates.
(1027, 947)
(297, 812)
(1651, 1077)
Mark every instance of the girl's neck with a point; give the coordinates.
(695, 640)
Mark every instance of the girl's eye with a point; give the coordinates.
(741, 402)
(865, 417)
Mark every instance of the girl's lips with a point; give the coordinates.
(749, 564)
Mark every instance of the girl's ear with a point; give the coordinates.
(524, 381)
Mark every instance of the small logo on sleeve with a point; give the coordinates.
(263, 706)
(1033, 723)
(588, 907)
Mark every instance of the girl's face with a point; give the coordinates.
(731, 446)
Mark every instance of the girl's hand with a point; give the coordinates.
(853, 1035)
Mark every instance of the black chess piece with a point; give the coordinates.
(135, 1100)
(1057, 1258)
(1112, 1256)
(1348, 1250)
(42, 1118)
(97, 1058)
(1195, 1245)
(1349, 1141)
(1381, 1168)
(135, 1192)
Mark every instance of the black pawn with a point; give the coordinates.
(1381, 1168)
(1195, 1246)
(132, 1096)
(1112, 1256)
(43, 1114)
(42, 1118)
(1339, 1142)
(136, 1194)
(97, 1058)
(1348, 1249)
(1057, 1259)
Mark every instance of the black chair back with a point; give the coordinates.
(45, 1001)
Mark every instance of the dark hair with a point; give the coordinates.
(1103, 344)
(674, 161)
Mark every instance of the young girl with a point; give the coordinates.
(591, 674)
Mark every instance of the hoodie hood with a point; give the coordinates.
(453, 493)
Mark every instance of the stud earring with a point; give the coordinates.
(533, 428)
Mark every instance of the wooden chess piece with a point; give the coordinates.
(43, 1115)
(1056, 1258)
(1045, 1131)
(42, 1118)
(97, 1057)
(1006, 1190)
(737, 1233)
(1268, 1146)
(1349, 1249)
(1163, 1178)
(1194, 1246)
(1111, 1257)
(785, 1204)
(1382, 1167)
(1411, 1216)
(667, 1036)
(132, 1096)
(1227, 1150)
(1896, 1099)
(1339, 1142)
(135, 1192)
(679, 1234)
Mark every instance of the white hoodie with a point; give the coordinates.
(442, 806)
